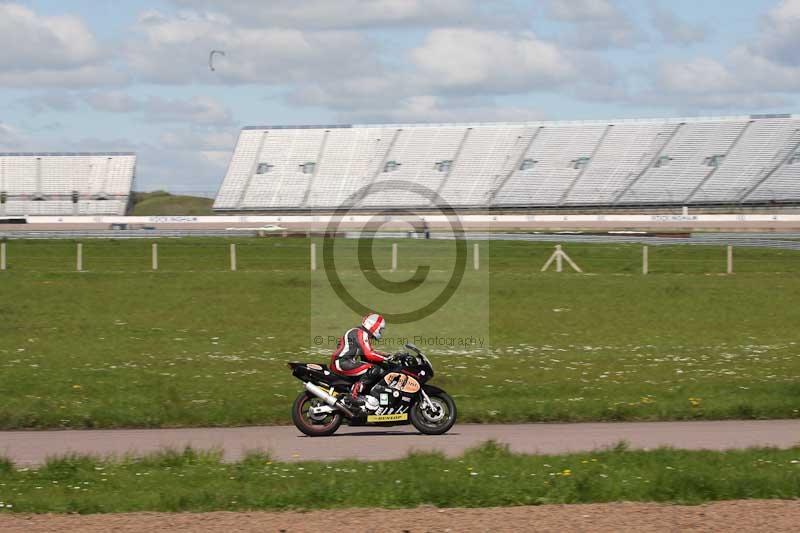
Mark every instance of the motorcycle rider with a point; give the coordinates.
(354, 356)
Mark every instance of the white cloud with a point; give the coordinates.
(360, 14)
(191, 159)
(430, 108)
(744, 82)
(762, 74)
(206, 140)
(160, 167)
(596, 23)
(59, 101)
(780, 40)
(46, 42)
(195, 110)
(698, 76)
(381, 90)
(582, 10)
(86, 76)
(58, 51)
(198, 110)
(10, 137)
(175, 50)
(477, 60)
(111, 101)
(675, 30)
(340, 69)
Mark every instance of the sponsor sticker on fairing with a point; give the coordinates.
(388, 418)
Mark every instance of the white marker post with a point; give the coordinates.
(79, 265)
(394, 256)
(155, 256)
(645, 261)
(313, 257)
(730, 259)
(476, 256)
(233, 258)
(2, 256)
(557, 256)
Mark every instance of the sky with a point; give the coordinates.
(103, 75)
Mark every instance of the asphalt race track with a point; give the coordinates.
(288, 444)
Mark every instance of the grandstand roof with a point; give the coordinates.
(521, 123)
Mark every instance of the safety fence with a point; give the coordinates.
(521, 254)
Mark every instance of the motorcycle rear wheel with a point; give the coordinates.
(312, 428)
(428, 424)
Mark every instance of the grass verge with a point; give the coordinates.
(487, 476)
(163, 203)
(197, 345)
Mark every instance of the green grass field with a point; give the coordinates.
(164, 203)
(196, 344)
(488, 476)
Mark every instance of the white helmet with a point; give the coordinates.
(375, 324)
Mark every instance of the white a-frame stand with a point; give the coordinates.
(558, 255)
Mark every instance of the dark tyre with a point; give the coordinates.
(436, 421)
(314, 425)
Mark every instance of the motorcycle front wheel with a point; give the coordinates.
(436, 421)
(311, 425)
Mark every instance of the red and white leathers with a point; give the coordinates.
(355, 356)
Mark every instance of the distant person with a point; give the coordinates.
(354, 356)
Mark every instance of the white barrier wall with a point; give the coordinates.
(500, 219)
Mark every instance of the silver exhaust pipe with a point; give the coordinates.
(327, 398)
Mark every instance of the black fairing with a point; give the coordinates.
(431, 389)
(303, 372)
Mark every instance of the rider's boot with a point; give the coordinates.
(363, 401)
(371, 402)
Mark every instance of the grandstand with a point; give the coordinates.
(97, 183)
(717, 161)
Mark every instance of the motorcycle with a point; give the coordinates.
(402, 394)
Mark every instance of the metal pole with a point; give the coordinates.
(559, 264)
(730, 259)
(155, 256)
(233, 258)
(313, 257)
(645, 260)
(477, 256)
(394, 256)
(79, 265)
(2, 256)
